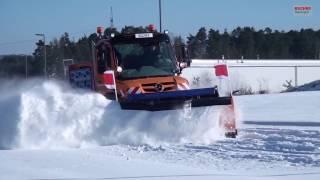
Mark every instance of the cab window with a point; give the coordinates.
(103, 59)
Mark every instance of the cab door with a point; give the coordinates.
(104, 62)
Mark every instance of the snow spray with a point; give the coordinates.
(51, 115)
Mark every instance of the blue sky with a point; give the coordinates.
(21, 19)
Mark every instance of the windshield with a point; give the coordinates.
(145, 58)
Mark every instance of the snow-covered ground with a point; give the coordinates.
(48, 131)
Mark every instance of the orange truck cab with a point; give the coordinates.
(143, 63)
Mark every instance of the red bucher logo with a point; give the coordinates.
(302, 10)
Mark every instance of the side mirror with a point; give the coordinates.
(183, 56)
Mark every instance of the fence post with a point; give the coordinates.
(295, 76)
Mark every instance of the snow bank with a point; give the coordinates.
(49, 114)
(298, 107)
(312, 86)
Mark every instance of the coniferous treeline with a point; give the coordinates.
(255, 44)
(246, 43)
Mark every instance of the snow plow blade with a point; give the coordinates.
(186, 98)
(174, 100)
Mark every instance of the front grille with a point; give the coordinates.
(151, 87)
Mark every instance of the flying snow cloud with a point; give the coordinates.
(50, 114)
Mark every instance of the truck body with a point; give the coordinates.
(145, 75)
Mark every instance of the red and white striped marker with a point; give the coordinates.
(108, 79)
(134, 90)
(221, 71)
(110, 82)
(183, 86)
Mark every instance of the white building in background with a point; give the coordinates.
(260, 74)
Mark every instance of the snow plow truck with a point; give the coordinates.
(142, 71)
